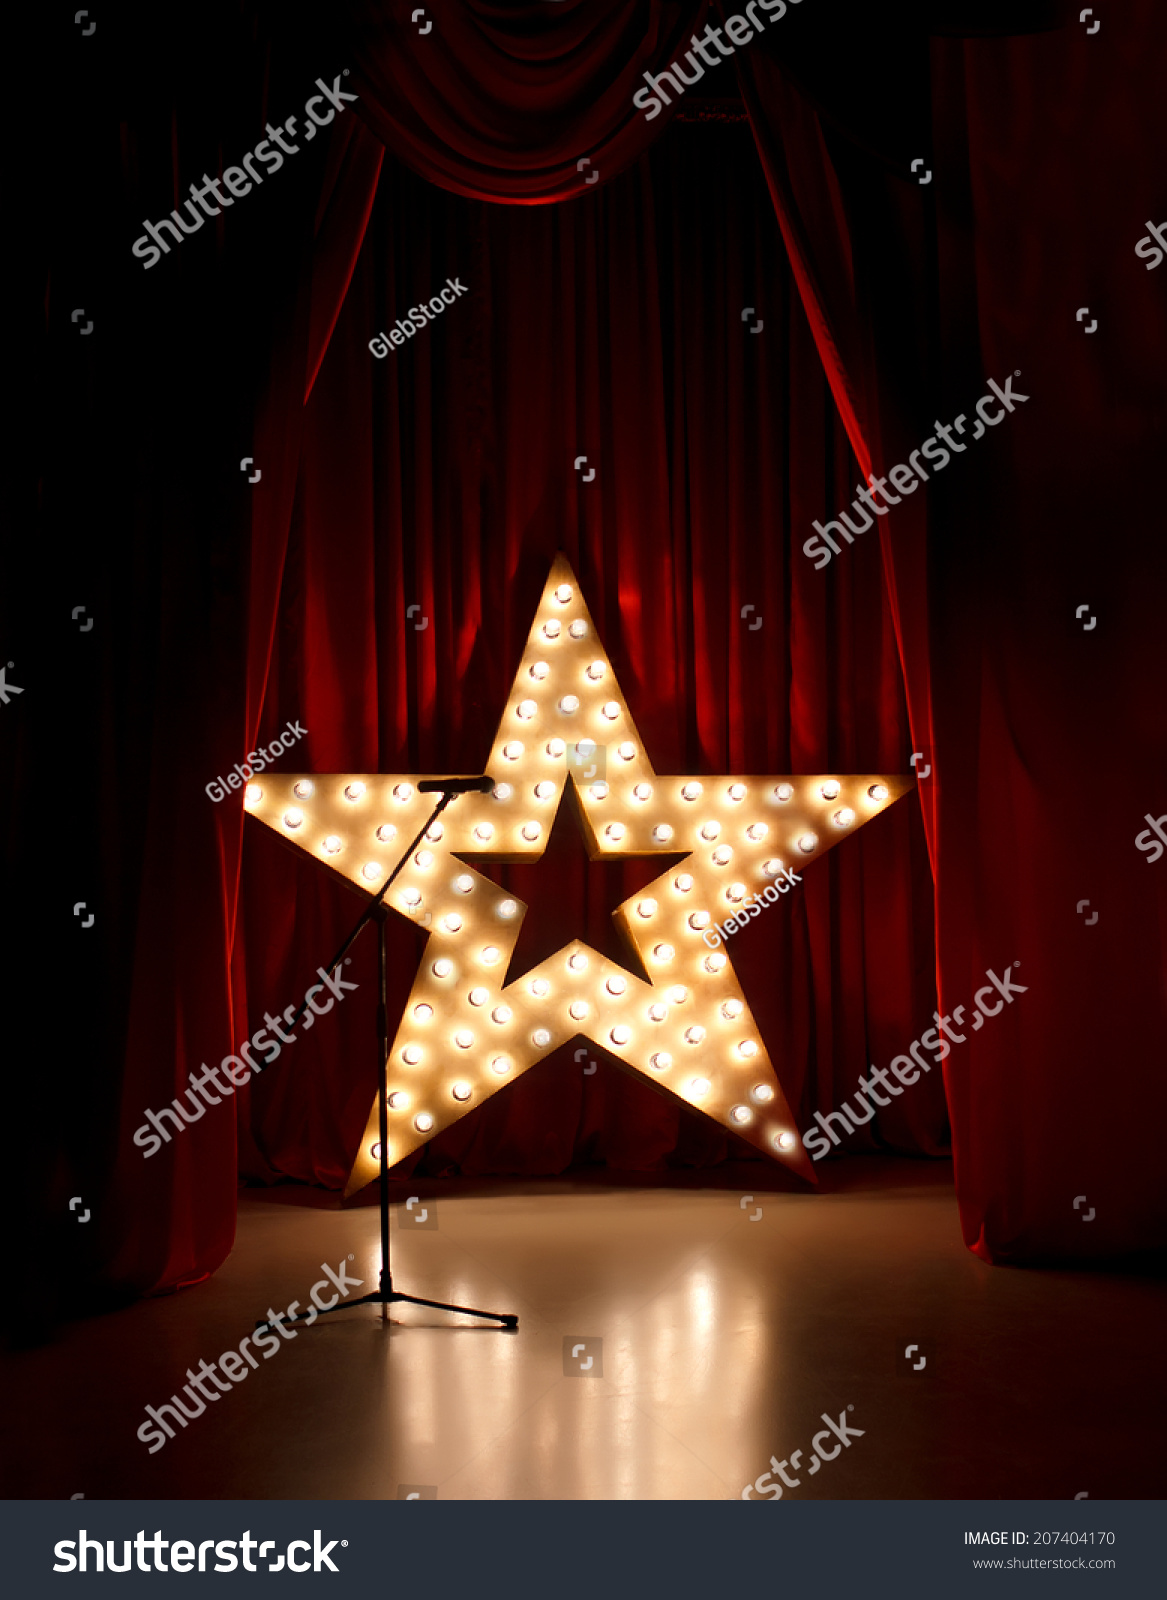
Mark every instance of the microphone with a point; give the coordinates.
(482, 785)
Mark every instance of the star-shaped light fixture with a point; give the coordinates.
(465, 1032)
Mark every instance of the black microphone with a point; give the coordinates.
(482, 785)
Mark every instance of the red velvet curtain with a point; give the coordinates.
(1044, 740)
(444, 478)
(1036, 712)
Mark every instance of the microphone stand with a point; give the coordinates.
(385, 1294)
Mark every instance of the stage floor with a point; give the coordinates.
(726, 1335)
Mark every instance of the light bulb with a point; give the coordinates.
(538, 670)
(403, 792)
(678, 994)
(599, 791)
(756, 831)
(293, 817)
(657, 1012)
(461, 1090)
(540, 988)
(736, 792)
(501, 1065)
(772, 867)
(844, 817)
(663, 952)
(577, 1010)
(699, 920)
(354, 791)
(332, 845)
(747, 1048)
(526, 709)
(563, 593)
(807, 842)
(662, 833)
(442, 967)
(502, 791)
(646, 908)
(484, 832)
(731, 1009)
(741, 1114)
(411, 1054)
(530, 831)
(551, 630)
(541, 1038)
(463, 883)
(610, 710)
(691, 791)
(661, 1060)
(784, 1141)
(683, 882)
(615, 984)
(695, 1034)
(463, 1038)
(710, 830)
(512, 750)
(568, 703)
(424, 858)
(304, 789)
(830, 789)
(783, 792)
(371, 870)
(762, 1093)
(620, 1035)
(412, 897)
(714, 963)
(578, 629)
(501, 1014)
(596, 670)
(478, 996)
(614, 831)
(577, 961)
(699, 1087)
(452, 922)
(642, 791)
(508, 908)
(386, 833)
(490, 954)
(423, 1122)
(375, 1150)
(555, 748)
(626, 751)
(434, 832)
(878, 791)
(544, 790)
(398, 1100)
(422, 1012)
(735, 893)
(722, 855)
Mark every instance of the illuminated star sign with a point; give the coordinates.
(688, 1029)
